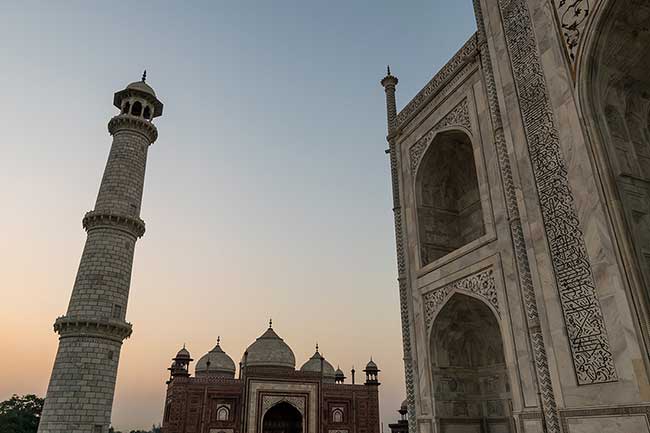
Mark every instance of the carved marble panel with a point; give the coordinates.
(587, 336)
(481, 283)
(458, 116)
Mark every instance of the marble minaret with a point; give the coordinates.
(80, 393)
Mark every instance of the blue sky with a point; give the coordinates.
(267, 193)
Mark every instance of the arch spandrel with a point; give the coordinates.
(480, 285)
(270, 401)
(457, 119)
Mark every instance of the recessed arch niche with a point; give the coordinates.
(449, 211)
(613, 83)
(282, 418)
(471, 387)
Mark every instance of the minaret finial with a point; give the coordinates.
(316, 346)
(271, 322)
(218, 339)
(183, 345)
(144, 76)
(387, 69)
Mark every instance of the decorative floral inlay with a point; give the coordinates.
(458, 116)
(572, 16)
(481, 283)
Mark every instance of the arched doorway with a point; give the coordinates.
(614, 90)
(449, 203)
(470, 378)
(282, 418)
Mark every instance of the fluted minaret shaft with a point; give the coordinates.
(80, 393)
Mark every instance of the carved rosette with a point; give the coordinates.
(115, 330)
(132, 225)
(585, 326)
(458, 116)
(268, 401)
(481, 283)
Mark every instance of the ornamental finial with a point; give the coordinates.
(316, 347)
(218, 339)
(387, 69)
(271, 322)
(144, 76)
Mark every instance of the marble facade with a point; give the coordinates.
(548, 105)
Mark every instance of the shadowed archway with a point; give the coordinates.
(282, 418)
(449, 203)
(470, 378)
(614, 89)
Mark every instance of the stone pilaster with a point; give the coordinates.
(389, 82)
(80, 393)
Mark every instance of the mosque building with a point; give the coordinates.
(270, 395)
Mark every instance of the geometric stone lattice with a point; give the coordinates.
(458, 116)
(592, 357)
(268, 401)
(481, 284)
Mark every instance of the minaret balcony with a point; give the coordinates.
(112, 329)
(96, 220)
(129, 122)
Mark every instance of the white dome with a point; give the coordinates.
(215, 363)
(314, 363)
(141, 86)
(269, 350)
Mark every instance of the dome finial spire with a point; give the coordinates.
(270, 322)
(387, 69)
(316, 346)
(218, 339)
(144, 76)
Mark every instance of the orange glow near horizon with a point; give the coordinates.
(267, 193)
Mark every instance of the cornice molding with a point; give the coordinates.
(467, 54)
(132, 225)
(116, 330)
(131, 123)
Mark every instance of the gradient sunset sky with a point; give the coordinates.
(267, 193)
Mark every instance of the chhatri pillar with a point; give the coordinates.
(80, 393)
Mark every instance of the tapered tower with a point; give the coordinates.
(80, 393)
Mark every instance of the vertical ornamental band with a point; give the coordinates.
(389, 82)
(80, 393)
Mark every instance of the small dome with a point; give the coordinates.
(269, 350)
(371, 366)
(313, 364)
(183, 353)
(404, 406)
(339, 373)
(215, 363)
(141, 86)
